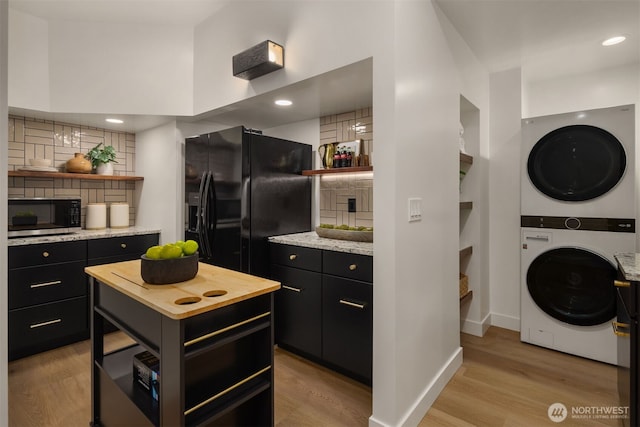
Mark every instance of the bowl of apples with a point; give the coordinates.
(170, 263)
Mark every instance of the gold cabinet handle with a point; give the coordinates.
(352, 267)
(41, 324)
(43, 284)
(291, 288)
(123, 245)
(621, 284)
(616, 329)
(293, 256)
(352, 304)
(45, 254)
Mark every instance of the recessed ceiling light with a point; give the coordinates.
(613, 40)
(283, 102)
(118, 121)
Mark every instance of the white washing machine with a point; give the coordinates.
(579, 164)
(567, 298)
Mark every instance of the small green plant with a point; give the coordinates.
(99, 155)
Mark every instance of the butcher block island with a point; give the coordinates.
(202, 352)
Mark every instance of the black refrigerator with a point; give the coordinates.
(240, 188)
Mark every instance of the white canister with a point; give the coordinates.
(119, 215)
(96, 216)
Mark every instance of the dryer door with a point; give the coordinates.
(573, 285)
(576, 163)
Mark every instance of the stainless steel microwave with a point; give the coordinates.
(41, 216)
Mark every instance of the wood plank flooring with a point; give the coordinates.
(502, 382)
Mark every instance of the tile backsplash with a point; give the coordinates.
(34, 138)
(337, 189)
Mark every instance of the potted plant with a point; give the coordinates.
(102, 159)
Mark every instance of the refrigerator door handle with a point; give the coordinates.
(203, 233)
(212, 213)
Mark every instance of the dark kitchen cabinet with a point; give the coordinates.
(47, 296)
(324, 309)
(116, 249)
(47, 292)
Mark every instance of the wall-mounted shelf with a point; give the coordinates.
(66, 175)
(466, 205)
(337, 170)
(466, 252)
(465, 158)
(466, 297)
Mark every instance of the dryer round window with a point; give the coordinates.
(573, 285)
(576, 163)
(579, 164)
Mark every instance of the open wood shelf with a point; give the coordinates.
(66, 175)
(337, 170)
(466, 297)
(466, 251)
(466, 205)
(465, 158)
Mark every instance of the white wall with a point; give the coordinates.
(65, 66)
(28, 61)
(4, 369)
(504, 199)
(605, 88)
(157, 161)
(474, 86)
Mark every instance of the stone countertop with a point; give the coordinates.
(629, 264)
(311, 240)
(230, 287)
(82, 235)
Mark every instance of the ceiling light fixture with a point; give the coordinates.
(283, 102)
(117, 121)
(613, 40)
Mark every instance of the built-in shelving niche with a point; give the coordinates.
(470, 186)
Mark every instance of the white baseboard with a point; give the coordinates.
(476, 328)
(414, 415)
(506, 322)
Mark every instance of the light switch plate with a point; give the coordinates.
(415, 209)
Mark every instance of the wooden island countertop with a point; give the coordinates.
(205, 289)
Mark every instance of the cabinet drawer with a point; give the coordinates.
(352, 266)
(46, 253)
(39, 285)
(118, 246)
(46, 326)
(296, 256)
(347, 335)
(298, 309)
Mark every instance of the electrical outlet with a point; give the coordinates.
(351, 205)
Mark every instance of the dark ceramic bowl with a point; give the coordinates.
(166, 271)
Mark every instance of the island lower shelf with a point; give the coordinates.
(215, 366)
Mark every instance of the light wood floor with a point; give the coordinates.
(502, 382)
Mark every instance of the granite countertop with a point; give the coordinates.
(311, 240)
(629, 264)
(126, 278)
(81, 235)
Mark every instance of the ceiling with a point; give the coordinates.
(547, 38)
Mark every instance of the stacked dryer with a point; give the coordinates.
(578, 210)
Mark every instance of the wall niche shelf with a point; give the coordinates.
(465, 158)
(466, 205)
(66, 175)
(466, 252)
(466, 297)
(337, 170)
